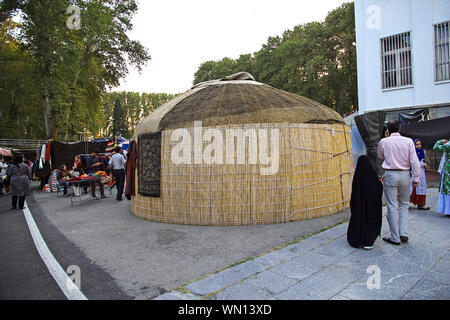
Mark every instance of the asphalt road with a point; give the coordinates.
(23, 274)
(121, 256)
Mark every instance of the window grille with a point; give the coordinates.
(441, 51)
(396, 60)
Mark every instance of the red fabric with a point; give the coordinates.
(81, 178)
(110, 146)
(130, 188)
(47, 151)
(111, 181)
(417, 199)
(102, 161)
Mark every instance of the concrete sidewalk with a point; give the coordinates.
(325, 266)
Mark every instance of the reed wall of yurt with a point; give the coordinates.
(313, 178)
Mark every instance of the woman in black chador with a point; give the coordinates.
(365, 206)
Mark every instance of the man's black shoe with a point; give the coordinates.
(404, 239)
(390, 241)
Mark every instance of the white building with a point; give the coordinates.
(403, 55)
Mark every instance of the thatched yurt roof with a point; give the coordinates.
(236, 99)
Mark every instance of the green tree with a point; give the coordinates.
(18, 87)
(117, 118)
(316, 60)
(134, 108)
(73, 68)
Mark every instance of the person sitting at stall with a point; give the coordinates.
(76, 171)
(77, 168)
(61, 175)
(93, 165)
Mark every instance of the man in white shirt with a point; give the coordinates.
(119, 161)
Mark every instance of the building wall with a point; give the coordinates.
(376, 19)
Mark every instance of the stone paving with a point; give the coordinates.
(324, 266)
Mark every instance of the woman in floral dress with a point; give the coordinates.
(444, 196)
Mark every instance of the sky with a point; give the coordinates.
(182, 34)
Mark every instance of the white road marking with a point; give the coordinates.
(70, 290)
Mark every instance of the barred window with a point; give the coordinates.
(441, 51)
(396, 60)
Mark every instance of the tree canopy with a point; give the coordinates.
(61, 58)
(316, 60)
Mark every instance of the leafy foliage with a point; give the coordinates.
(54, 79)
(316, 60)
(133, 108)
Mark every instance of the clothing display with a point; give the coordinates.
(54, 181)
(428, 131)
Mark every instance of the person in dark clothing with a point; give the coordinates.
(365, 206)
(20, 176)
(42, 173)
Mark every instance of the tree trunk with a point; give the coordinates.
(46, 110)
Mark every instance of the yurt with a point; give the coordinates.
(235, 151)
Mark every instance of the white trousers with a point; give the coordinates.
(396, 192)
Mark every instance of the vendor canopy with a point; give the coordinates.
(64, 153)
(428, 131)
(370, 126)
(5, 153)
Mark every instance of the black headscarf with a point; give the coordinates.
(365, 205)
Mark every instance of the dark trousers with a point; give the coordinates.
(21, 201)
(100, 185)
(44, 181)
(64, 185)
(119, 175)
(6, 185)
